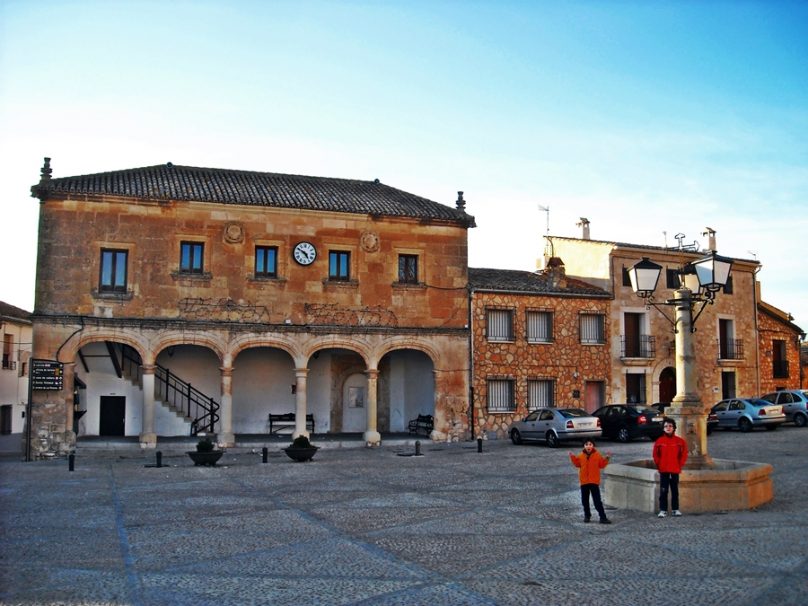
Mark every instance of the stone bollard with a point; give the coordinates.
(71, 462)
(264, 454)
(417, 448)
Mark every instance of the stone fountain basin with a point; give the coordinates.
(723, 485)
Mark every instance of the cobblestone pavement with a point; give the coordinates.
(369, 526)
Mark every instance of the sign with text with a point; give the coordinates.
(47, 374)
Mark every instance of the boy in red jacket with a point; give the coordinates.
(589, 464)
(670, 455)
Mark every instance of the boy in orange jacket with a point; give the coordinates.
(670, 455)
(589, 464)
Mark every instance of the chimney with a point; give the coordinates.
(461, 203)
(556, 271)
(710, 233)
(584, 225)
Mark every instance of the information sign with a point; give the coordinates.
(47, 374)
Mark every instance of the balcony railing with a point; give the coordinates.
(730, 349)
(642, 347)
(780, 369)
(8, 363)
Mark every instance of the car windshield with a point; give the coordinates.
(572, 412)
(757, 402)
(648, 411)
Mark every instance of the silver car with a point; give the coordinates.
(554, 425)
(747, 413)
(794, 403)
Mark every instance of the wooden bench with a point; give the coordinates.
(423, 423)
(281, 421)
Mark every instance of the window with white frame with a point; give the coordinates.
(501, 395)
(540, 393)
(540, 326)
(592, 328)
(499, 324)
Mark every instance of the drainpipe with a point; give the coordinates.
(471, 368)
(757, 329)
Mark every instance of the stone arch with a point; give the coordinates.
(286, 344)
(398, 343)
(338, 342)
(167, 339)
(128, 337)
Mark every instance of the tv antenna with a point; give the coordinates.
(546, 210)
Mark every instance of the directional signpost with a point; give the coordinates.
(47, 375)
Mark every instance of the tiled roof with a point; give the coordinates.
(780, 316)
(171, 182)
(527, 282)
(15, 313)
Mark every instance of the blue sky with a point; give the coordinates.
(648, 118)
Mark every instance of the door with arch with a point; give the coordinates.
(667, 385)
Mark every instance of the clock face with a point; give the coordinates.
(305, 253)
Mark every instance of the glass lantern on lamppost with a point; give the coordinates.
(700, 281)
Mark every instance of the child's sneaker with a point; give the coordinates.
(663, 514)
(676, 513)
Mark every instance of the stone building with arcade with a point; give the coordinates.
(183, 300)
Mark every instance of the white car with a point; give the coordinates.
(794, 403)
(554, 425)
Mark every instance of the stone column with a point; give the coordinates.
(300, 402)
(226, 437)
(148, 437)
(686, 408)
(372, 436)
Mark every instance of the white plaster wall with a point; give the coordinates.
(13, 387)
(262, 383)
(354, 419)
(412, 387)
(318, 391)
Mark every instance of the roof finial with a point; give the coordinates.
(461, 203)
(45, 173)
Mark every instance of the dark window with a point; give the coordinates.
(191, 257)
(728, 286)
(626, 276)
(672, 278)
(266, 261)
(113, 270)
(339, 264)
(408, 269)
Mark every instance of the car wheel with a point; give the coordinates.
(552, 439)
(516, 437)
(623, 435)
(800, 420)
(744, 424)
(771, 427)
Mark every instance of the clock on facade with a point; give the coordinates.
(304, 253)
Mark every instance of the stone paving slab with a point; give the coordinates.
(364, 526)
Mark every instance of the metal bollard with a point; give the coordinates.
(71, 462)
(417, 448)
(479, 444)
(159, 456)
(264, 454)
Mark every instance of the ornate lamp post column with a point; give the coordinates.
(707, 276)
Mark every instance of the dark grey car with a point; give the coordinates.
(554, 425)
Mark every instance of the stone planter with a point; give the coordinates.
(208, 458)
(301, 455)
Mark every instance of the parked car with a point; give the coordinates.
(794, 403)
(555, 425)
(747, 413)
(626, 422)
(712, 418)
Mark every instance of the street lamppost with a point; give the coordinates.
(700, 281)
